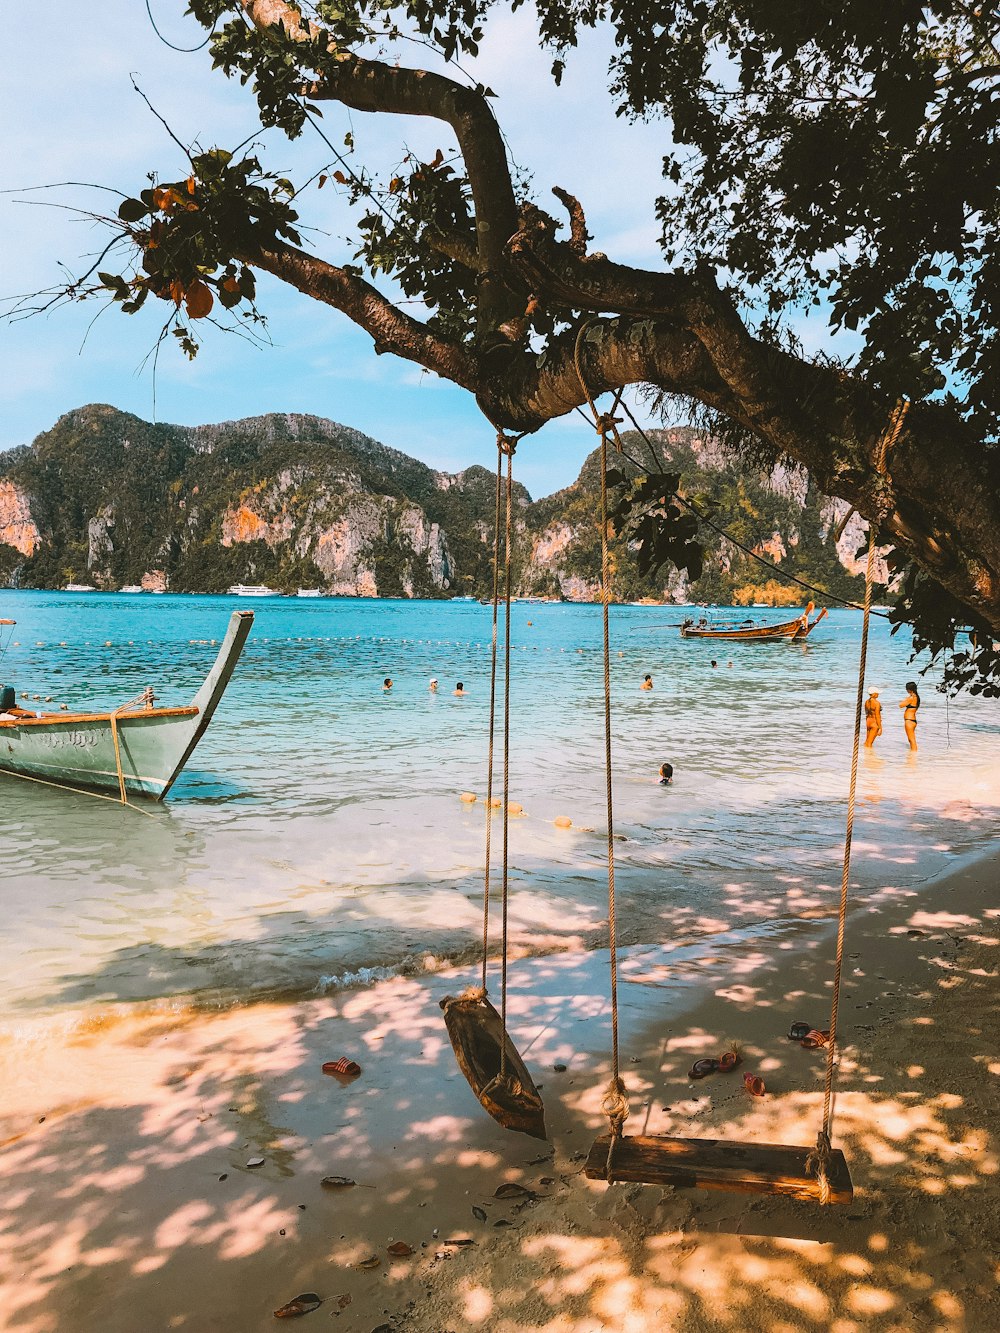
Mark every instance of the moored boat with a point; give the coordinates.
(799, 628)
(251, 590)
(136, 749)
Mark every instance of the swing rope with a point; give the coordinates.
(819, 1158)
(506, 447)
(493, 698)
(615, 1101)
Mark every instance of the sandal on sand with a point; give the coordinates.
(342, 1066)
(729, 1060)
(702, 1068)
(798, 1030)
(754, 1084)
(814, 1038)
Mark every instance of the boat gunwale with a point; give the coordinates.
(65, 719)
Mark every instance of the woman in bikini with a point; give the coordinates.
(909, 705)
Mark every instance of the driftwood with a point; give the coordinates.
(718, 1164)
(477, 1036)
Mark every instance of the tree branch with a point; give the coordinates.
(391, 329)
(370, 85)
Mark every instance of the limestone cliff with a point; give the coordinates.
(294, 500)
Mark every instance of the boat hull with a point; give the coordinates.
(800, 628)
(78, 749)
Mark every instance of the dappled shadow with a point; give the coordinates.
(133, 1202)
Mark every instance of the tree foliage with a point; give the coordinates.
(839, 157)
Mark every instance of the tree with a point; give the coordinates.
(839, 156)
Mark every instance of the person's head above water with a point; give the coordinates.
(459, 688)
(666, 773)
(387, 683)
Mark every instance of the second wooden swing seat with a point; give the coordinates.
(719, 1164)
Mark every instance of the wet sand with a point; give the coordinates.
(130, 1201)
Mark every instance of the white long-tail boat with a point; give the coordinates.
(136, 749)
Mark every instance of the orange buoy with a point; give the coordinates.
(495, 803)
(514, 809)
(563, 821)
(468, 797)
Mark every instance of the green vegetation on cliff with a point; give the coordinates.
(293, 501)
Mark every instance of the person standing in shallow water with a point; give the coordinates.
(873, 719)
(387, 683)
(647, 683)
(459, 689)
(909, 705)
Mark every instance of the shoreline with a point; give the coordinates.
(142, 1197)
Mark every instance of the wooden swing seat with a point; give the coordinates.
(477, 1037)
(718, 1164)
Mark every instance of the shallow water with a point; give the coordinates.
(318, 833)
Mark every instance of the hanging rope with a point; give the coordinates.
(508, 449)
(493, 711)
(615, 1100)
(145, 699)
(506, 446)
(819, 1158)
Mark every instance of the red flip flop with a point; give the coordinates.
(754, 1084)
(815, 1038)
(342, 1066)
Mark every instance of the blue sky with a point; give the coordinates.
(68, 112)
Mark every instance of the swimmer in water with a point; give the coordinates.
(647, 683)
(459, 688)
(666, 774)
(387, 683)
(873, 719)
(433, 685)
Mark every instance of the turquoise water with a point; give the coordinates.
(318, 835)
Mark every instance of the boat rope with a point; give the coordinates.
(615, 1100)
(77, 791)
(145, 699)
(723, 532)
(819, 1158)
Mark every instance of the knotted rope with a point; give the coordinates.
(819, 1159)
(146, 700)
(506, 448)
(615, 1101)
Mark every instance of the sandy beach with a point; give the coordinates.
(133, 1201)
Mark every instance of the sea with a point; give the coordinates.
(318, 839)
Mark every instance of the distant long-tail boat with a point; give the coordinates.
(799, 628)
(135, 749)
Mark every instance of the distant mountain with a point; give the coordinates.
(298, 501)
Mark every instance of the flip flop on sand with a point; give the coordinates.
(727, 1060)
(799, 1030)
(814, 1038)
(343, 1066)
(754, 1084)
(702, 1068)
